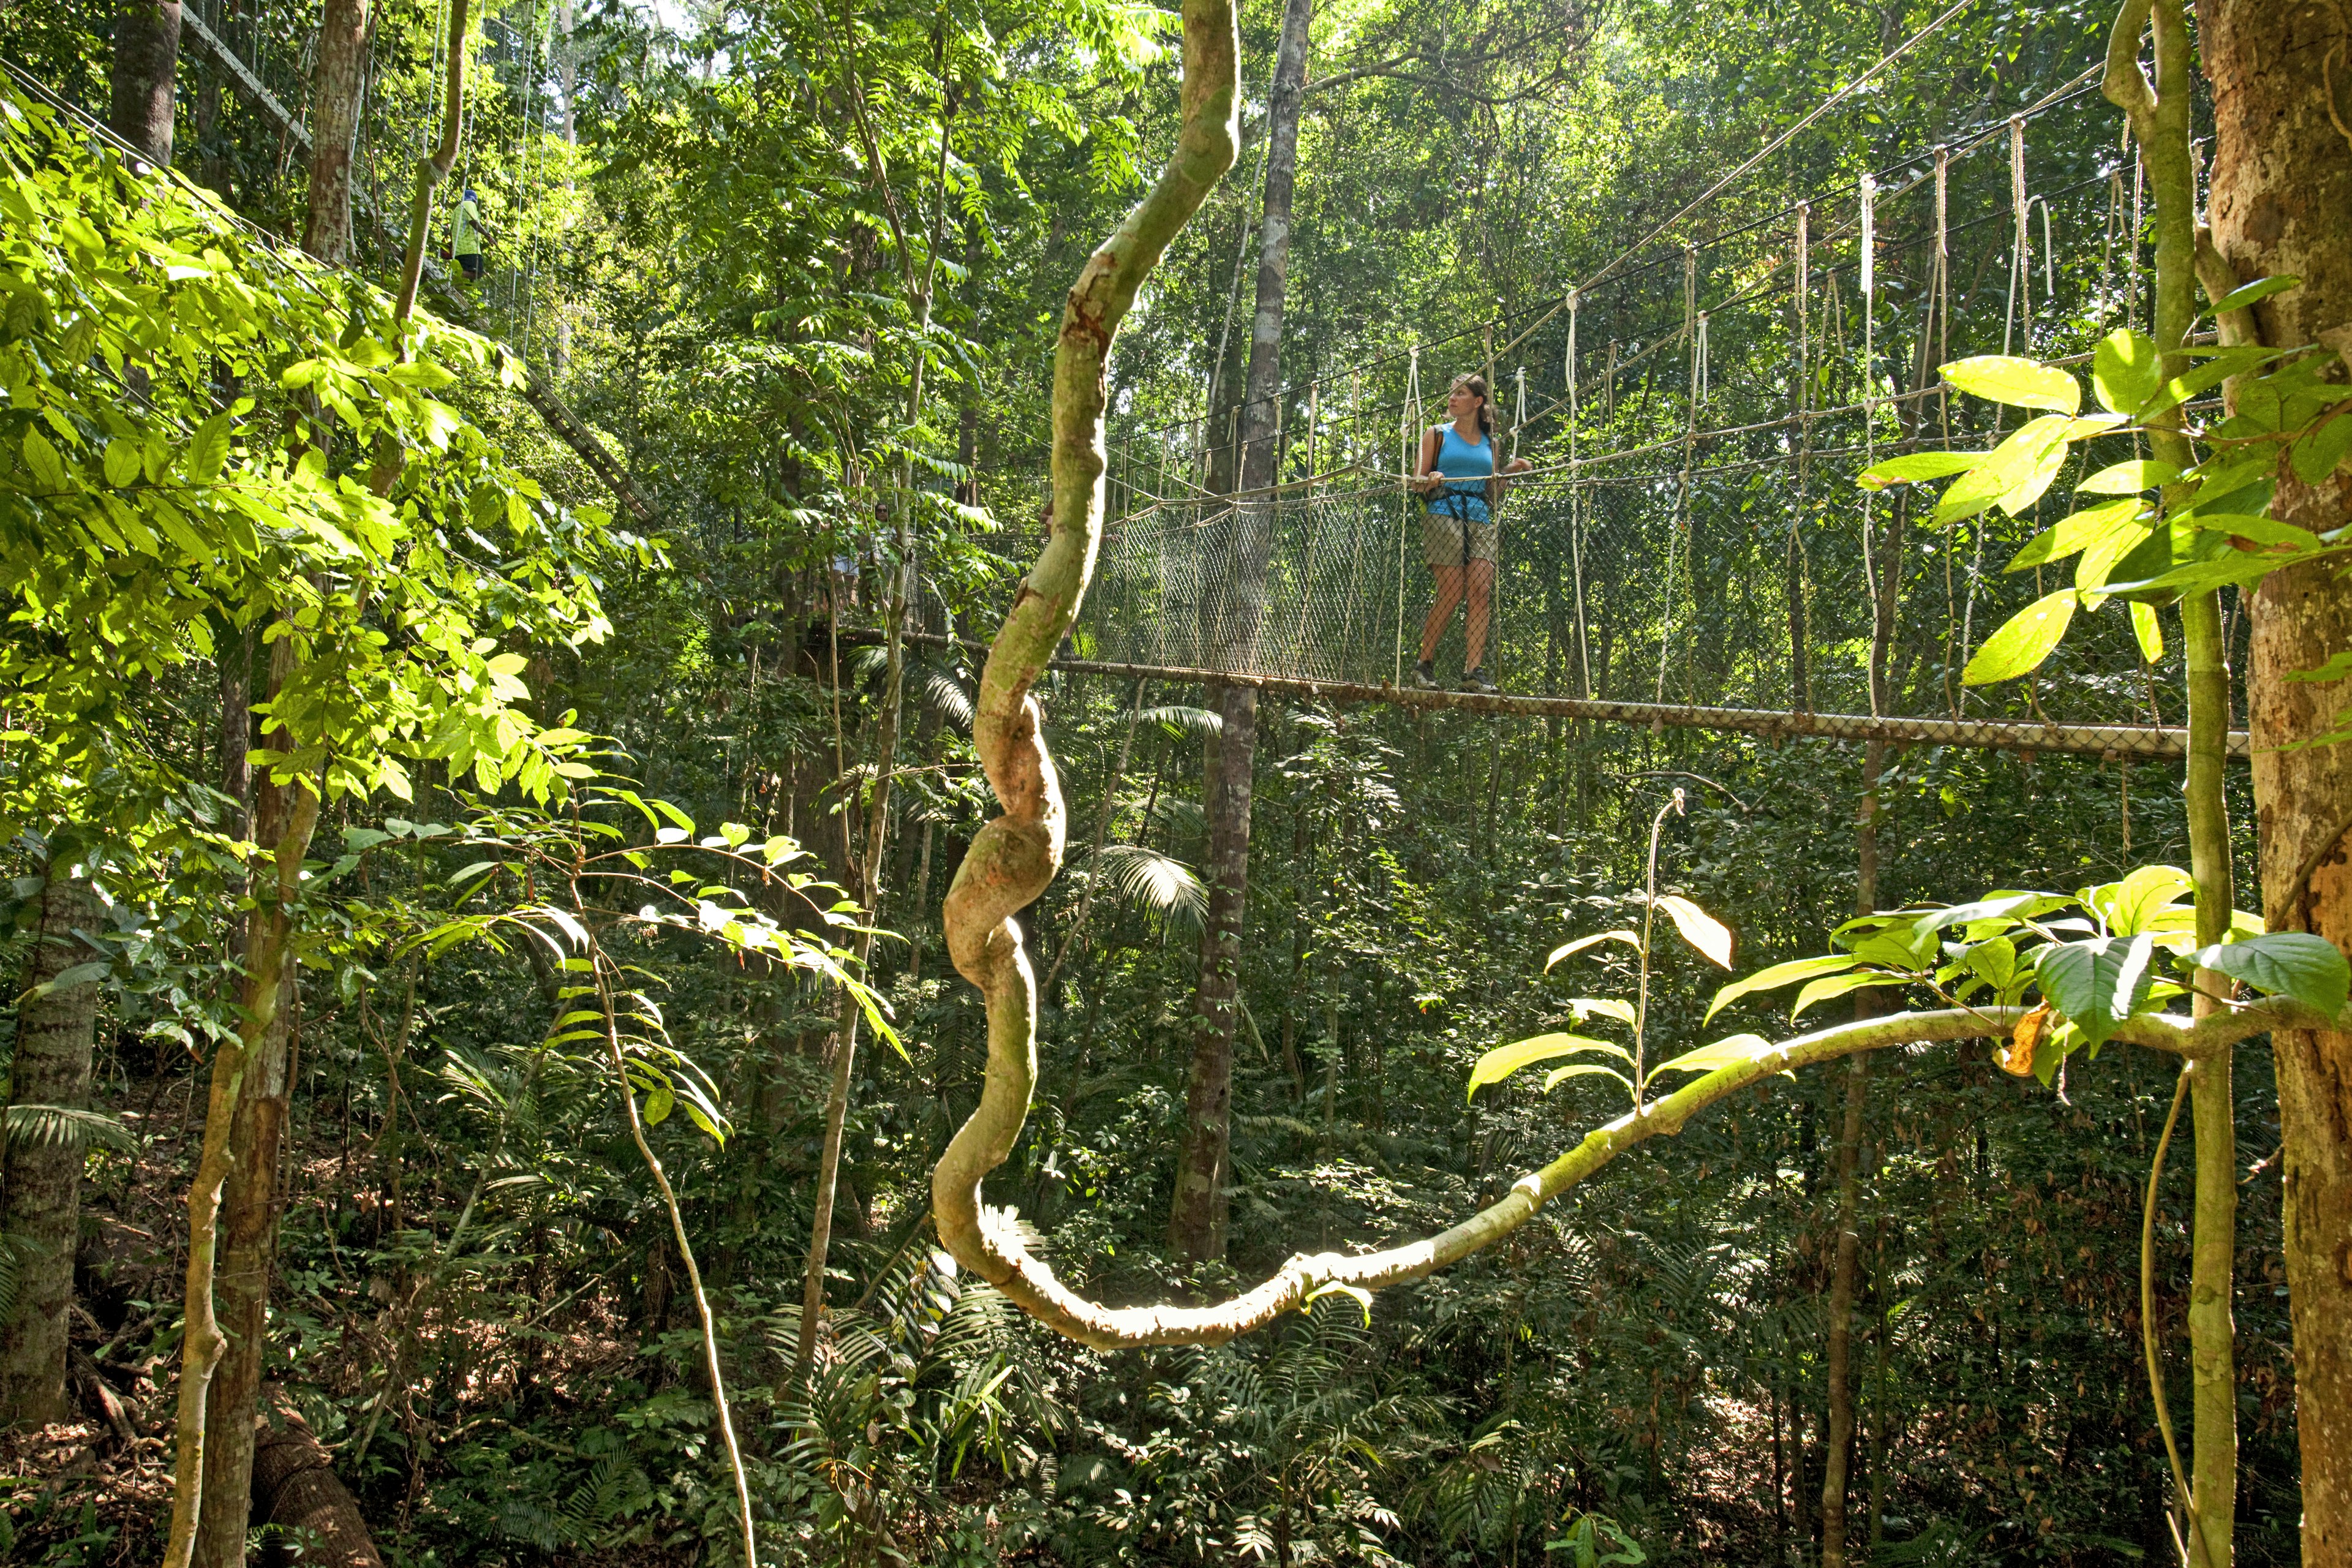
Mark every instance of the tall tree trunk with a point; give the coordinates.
(1196, 1217)
(249, 1213)
(285, 812)
(146, 60)
(40, 1176)
(2281, 184)
(335, 85)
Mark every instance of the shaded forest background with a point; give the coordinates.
(478, 1306)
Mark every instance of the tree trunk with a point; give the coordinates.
(40, 1177)
(146, 59)
(2281, 184)
(335, 85)
(228, 1168)
(249, 1213)
(1196, 1218)
(295, 1488)
(1837, 1448)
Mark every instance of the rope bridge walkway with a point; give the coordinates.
(1692, 547)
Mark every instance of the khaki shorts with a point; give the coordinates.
(1441, 540)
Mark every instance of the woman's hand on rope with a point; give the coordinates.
(1520, 465)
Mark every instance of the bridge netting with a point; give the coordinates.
(1694, 532)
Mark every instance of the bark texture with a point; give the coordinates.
(335, 86)
(2282, 187)
(40, 1178)
(295, 1488)
(249, 1213)
(1196, 1217)
(285, 812)
(146, 59)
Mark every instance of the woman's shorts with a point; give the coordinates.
(1443, 542)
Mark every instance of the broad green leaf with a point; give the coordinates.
(1775, 977)
(2233, 569)
(1710, 936)
(1913, 467)
(2285, 964)
(2149, 630)
(2254, 293)
(2014, 474)
(1570, 948)
(2130, 906)
(2020, 383)
(208, 450)
(48, 468)
(2023, 642)
(78, 975)
(1724, 1053)
(1607, 1007)
(121, 463)
(1501, 1062)
(2338, 666)
(2097, 984)
(2257, 529)
(2130, 478)
(2080, 531)
(2125, 371)
(659, 1103)
(1999, 906)
(1558, 1076)
(2181, 388)
(1830, 985)
(2317, 454)
(2112, 549)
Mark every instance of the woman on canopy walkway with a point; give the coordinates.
(1458, 534)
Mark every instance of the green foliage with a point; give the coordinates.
(153, 353)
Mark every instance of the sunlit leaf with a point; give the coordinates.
(1570, 948)
(1504, 1060)
(1724, 1053)
(1710, 936)
(1775, 977)
(2023, 641)
(2019, 383)
(2125, 371)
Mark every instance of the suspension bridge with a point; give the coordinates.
(1691, 547)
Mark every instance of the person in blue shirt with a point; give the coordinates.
(1457, 528)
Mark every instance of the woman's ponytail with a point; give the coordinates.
(1477, 386)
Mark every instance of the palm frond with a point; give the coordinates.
(1179, 719)
(1151, 880)
(59, 1125)
(953, 703)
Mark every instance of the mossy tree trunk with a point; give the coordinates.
(40, 1174)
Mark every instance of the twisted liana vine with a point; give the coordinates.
(1015, 857)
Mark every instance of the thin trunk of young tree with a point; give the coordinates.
(435, 166)
(2159, 113)
(249, 1213)
(872, 855)
(142, 77)
(1837, 1447)
(2282, 182)
(40, 1172)
(335, 86)
(1196, 1215)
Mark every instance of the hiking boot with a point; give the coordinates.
(1424, 676)
(1476, 681)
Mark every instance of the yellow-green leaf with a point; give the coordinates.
(1504, 1060)
(2019, 383)
(1710, 936)
(2023, 641)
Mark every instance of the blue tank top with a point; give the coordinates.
(1467, 460)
